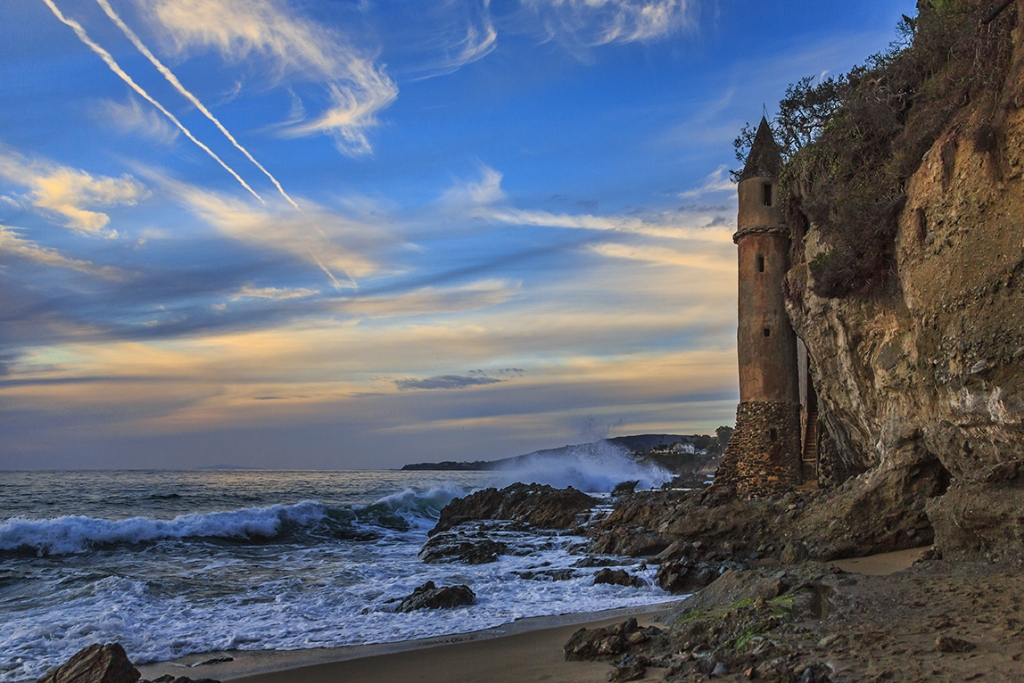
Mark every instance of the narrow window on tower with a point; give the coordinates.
(773, 434)
(760, 264)
(767, 332)
(767, 188)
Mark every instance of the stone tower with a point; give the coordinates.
(764, 454)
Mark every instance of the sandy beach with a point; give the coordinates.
(526, 650)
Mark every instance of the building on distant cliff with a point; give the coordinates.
(776, 415)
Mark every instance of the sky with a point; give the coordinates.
(356, 234)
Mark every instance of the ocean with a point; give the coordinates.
(171, 563)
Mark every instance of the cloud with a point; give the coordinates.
(664, 256)
(445, 382)
(312, 236)
(716, 181)
(173, 80)
(12, 243)
(599, 22)
(291, 45)
(431, 300)
(67, 191)
(120, 73)
(133, 118)
(484, 192)
(662, 225)
(463, 33)
(274, 293)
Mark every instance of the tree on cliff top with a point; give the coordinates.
(851, 142)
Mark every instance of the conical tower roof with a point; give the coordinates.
(765, 158)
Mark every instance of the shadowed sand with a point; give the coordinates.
(526, 650)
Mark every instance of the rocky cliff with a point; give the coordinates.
(921, 382)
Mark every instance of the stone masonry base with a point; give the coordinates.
(763, 455)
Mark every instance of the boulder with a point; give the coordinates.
(686, 576)
(453, 548)
(535, 505)
(625, 488)
(95, 664)
(599, 643)
(618, 577)
(429, 596)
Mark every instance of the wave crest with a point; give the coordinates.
(311, 519)
(594, 467)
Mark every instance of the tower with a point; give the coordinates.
(764, 454)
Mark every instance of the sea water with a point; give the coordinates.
(175, 563)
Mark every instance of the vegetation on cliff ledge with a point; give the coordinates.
(852, 142)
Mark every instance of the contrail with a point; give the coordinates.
(173, 80)
(105, 56)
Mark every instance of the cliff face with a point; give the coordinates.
(922, 386)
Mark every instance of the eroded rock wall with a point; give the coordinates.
(930, 373)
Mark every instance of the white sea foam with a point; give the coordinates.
(594, 468)
(271, 576)
(77, 533)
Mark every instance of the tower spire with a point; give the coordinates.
(765, 158)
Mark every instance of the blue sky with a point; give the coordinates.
(360, 234)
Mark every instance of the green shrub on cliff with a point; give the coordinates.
(858, 138)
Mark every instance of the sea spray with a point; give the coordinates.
(594, 468)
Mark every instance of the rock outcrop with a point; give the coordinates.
(453, 547)
(535, 505)
(921, 385)
(106, 664)
(95, 664)
(618, 577)
(429, 596)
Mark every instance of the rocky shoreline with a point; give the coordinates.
(765, 604)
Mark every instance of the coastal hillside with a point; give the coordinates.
(678, 454)
(907, 281)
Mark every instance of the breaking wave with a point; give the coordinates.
(595, 468)
(308, 519)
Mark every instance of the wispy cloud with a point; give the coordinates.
(13, 244)
(274, 293)
(290, 44)
(485, 199)
(664, 256)
(131, 117)
(470, 193)
(598, 22)
(464, 32)
(116, 68)
(716, 181)
(67, 191)
(173, 80)
(312, 236)
(445, 382)
(431, 300)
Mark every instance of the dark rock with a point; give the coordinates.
(630, 668)
(951, 644)
(686, 576)
(95, 664)
(535, 505)
(625, 488)
(429, 596)
(453, 548)
(168, 678)
(793, 553)
(618, 577)
(597, 643)
(591, 561)
(546, 575)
